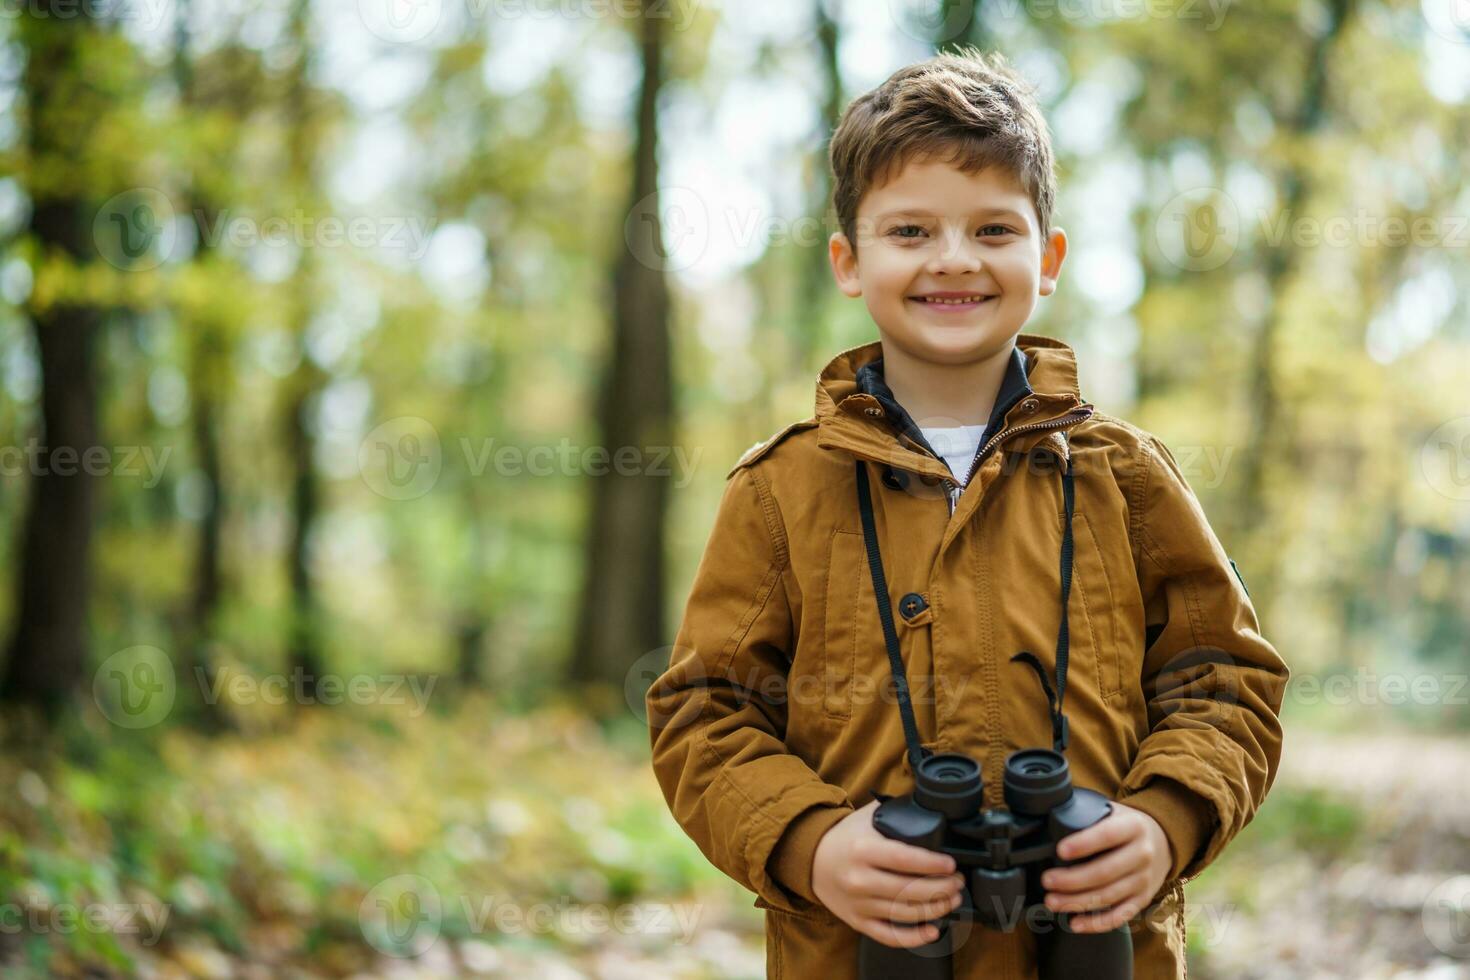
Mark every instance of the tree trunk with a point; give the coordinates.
(304, 639)
(1281, 263)
(621, 614)
(205, 374)
(48, 649)
(303, 650)
(815, 284)
(48, 645)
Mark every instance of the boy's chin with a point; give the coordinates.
(958, 344)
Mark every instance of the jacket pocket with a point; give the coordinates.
(847, 588)
(1096, 631)
(817, 913)
(803, 946)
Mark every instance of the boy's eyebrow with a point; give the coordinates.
(922, 213)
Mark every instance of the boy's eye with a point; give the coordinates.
(914, 231)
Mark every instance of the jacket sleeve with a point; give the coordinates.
(717, 716)
(1213, 684)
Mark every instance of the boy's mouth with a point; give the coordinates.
(951, 302)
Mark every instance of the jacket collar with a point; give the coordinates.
(1013, 388)
(851, 414)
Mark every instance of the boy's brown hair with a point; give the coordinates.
(969, 109)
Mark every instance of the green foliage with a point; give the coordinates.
(264, 847)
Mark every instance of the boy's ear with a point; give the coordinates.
(844, 264)
(1053, 253)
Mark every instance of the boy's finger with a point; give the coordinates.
(1096, 899)
(876, 883)
(898, 856)
(903, 937)
(1099, 872)
(1106, 920)
(909, 911)
(1107, 832)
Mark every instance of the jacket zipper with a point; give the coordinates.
(953, 489)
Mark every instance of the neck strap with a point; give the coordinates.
(916, 751)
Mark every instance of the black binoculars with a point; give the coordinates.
(1001, 853)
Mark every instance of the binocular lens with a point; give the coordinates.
(949, 783)
(1036, 780)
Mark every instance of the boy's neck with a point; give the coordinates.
(946, 394)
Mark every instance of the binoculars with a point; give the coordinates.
(1001, 853)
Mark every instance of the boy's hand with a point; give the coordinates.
(1119, 884)
(866, 880)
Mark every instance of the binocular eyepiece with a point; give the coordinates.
(1035, 782)
(1001, 853)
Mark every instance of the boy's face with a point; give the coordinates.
(934, 232)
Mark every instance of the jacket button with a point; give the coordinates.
(1030, 405)
(911, 605)
(875, 412)
(895, 479)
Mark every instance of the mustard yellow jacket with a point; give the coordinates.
(777, 714)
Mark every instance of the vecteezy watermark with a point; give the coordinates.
(400, 21)
(135, 688)
(1445, 458)
(410, 21)
(674, 228)
(1209, 13)
(149, 14)
(1450, 19)
(138, 687)
(936, 22)
(403, 916)
(402, 459)
(566, 459)
(567, 918)
(664, 707)
(668, 230)
(1446, 916)
(1202, 467)
(299, 687)
(38, 459)
(138, 230)
(408, 233)
(1367, 687)
(680, 13)
(1201, 229)
(1206, 922)
(658, 685)
(65, 918)
(931, 21)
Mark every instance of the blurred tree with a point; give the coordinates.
(622, 613)
(815, 285)
(215, 97)
(1303, 121)
(48, 645)
(304, 641)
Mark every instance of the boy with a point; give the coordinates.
(1010, 516)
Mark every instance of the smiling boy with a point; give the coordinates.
(1012, 520)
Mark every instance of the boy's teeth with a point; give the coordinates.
(966, 299)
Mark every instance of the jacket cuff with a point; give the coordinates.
(1186, 818)
(791, 859)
